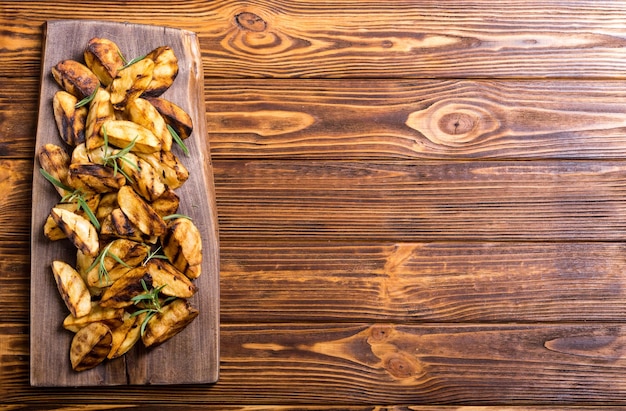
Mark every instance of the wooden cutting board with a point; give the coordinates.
(191, 356)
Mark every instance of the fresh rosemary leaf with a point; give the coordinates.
(54, 181)
(87, 99)
(173, 216)
(178, 140)
(133, 61)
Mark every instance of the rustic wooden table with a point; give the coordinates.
(420, 202)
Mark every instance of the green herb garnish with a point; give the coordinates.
(76, 196)
(111, 159)
(179, 141)
(103, 273)
(87, 99)
(150, 299)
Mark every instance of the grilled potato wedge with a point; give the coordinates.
(78, 230)
(140, 212)
(121, 292)
(174, 116)
(142, 112)
(182, 244)
(100, 111)
(56, 162)
(95, 178)
(111, 317)
(117, 224)
(172, 319)
(80, 154)
(70, 120)
(131, 252)
(108, 202)
(90, 346)
(75, 78)
(130, 82)
(166, 204)
(174, 283)
(50, 228)
(171, 170)
(104, 58)
(145, 179)
(125, 336)
(122, 133)
(72, 288)
(165, 70)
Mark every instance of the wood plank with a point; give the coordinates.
(18, 117)
(427, 201)
(361, 38)
(388, 363)
(15, 203)
(50, 365)
(424, 282)
(426, 119)
(390, 119)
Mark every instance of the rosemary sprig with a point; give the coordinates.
(87, 99)
(178, 140)
(99, 262)
(173, 216)
(150, 299)
(131, 62)
(73, 196)
(111, 159)
(154, 254)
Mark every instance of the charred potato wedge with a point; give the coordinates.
(130, 82)
(140, 213)
(145, 179)
(125, 336)
(90, 346)
(166, 204)
(172, 319)
(142, 112)
(171, 171)
(182, 244)
(111, 317)
(174, 116)
(70, 120)
(100, 111)
(122, 133)
(122, 291)
(104, 58)
(78, 230)
(95, 178)
(174, 283)
(75, 78)
(132, 253)
(56, 162)
(164, 72)
(72, 288)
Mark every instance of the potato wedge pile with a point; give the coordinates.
(116, 171)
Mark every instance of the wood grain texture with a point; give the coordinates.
(358, 39)
(50, 364)
(364, 364)
(361, 119)
(430, 201)
(425, 119)
(421, 203)
(423, 282)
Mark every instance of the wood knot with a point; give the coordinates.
(400, 366)
(379, 333)
(250, 22)
(456, 123)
